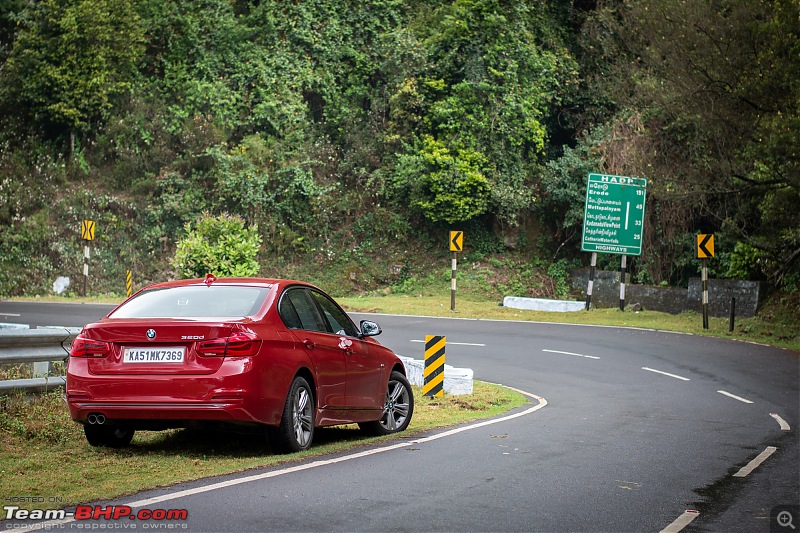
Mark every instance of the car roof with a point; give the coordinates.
(251, 282)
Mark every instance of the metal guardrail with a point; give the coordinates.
(35, 346)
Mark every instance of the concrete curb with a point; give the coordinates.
(541, 304)
(456, 380)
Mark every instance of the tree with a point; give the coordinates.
(493, 72)
(712, 92)
(9, 10)
(72, 58)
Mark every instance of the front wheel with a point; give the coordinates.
(297, 422)
(397, 408)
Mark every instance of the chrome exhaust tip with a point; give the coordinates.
(96, 418)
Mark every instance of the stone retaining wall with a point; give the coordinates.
(671, 299)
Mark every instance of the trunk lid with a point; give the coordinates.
(149, 347)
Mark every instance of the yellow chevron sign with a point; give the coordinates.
(434, 366)
(87, 230)
(456, 241)
(705, 246)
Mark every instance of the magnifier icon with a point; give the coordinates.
(785, 519)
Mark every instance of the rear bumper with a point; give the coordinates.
(236, 393)
(161, 414)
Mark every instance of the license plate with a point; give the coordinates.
(154, 355)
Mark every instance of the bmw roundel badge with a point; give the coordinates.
(151, 334)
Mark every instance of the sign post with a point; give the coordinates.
(87, 234)
(591, 281)
(613, 222)
(622, 270)
(705, 249)
(456, 245)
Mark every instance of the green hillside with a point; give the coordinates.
(352, 136)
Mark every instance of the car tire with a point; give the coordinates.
(296, 430)
(110, 436)
(397, 408)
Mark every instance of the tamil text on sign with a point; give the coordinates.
(614, 214)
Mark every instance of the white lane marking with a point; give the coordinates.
(315, 464)
(783, 423)
(665, 373)
(752, 465)
(10, 314)
(681, 522)
(451, 343)
(729, 395)
(570, 353)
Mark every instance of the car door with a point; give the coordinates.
(364, 389)
(302, 317)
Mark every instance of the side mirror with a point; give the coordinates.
(370, 328)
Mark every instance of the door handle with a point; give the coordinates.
(308, 343)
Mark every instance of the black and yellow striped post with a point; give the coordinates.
(705, 249)
(87, 234)
(434, 366)
(128, 283)
(456, 245)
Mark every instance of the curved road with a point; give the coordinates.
(638, 427)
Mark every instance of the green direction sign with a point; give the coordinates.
(613, 218)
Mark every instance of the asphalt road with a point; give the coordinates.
(639, 427)
(37, 314)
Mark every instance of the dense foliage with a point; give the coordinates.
(350, 136)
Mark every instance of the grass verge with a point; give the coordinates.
(782, 331)
(44, 454)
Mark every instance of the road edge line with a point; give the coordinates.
(755, 463)
(314, 464)
(681, 522)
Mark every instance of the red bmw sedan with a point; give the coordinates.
(267, 353)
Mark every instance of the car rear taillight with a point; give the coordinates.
(237, 344)
(83, 347)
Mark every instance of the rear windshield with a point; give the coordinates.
(220, 301)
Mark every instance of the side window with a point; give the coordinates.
(297, 308)
(289, 314)
(338, 319)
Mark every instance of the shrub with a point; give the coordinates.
(219, 245)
